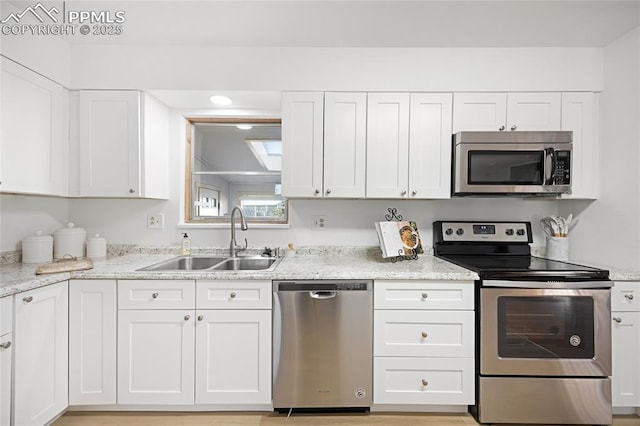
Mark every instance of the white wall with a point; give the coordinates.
(609, 228)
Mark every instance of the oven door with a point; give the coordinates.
(510, 168)
(545, 332)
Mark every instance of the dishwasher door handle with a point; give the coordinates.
(322, 295)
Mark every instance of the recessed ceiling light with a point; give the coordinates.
(220, 100)
(244, 127)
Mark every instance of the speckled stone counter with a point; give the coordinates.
(17, 277)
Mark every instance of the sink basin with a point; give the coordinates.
(185, 263)
(246, 264)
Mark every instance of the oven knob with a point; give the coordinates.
(509, 231)
(520, 232)
(460, 231)
(449, 231)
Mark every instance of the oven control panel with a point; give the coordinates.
(495, 232)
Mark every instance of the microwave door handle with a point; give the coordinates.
(550, 153)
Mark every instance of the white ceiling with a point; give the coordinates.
(366, 23)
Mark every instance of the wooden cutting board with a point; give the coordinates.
(64, 265)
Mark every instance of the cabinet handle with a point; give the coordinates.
(5, 345)
(425, 295)
(404, 192)
(155, 295)
(187, 317)
(629, 296)
(27, 299)
(131, 190)
(425, 382)
(424, 335)
(328, 191)
(316, 192)
(414, 192)
(200, 317)
(617, 319)
(514, 127)
(501, 128)
(232, 295)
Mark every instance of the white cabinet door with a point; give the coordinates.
(233, 357)
(6, 354)
(533, 111)
(110, 136)
(479, 111)
(625, 351)
(41, 354)
(34, 149)
(302, 144)
(92, 342)
(387, 145)
(580, 115)
(156, 357)
(345, 143)
(430, 145)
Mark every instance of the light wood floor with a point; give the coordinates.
(259, 419)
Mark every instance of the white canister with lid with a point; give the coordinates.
(37, 248)
(69, 241)
(96, 247)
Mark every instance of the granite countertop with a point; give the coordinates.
(18, 277)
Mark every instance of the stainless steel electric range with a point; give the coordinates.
(543, 349)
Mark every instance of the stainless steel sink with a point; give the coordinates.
(185, 263)
(246, 264)
(209, 263)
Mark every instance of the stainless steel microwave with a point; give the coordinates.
(512, 163)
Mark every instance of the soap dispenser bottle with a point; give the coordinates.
(186, 245)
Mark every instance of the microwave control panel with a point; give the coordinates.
(563, 168)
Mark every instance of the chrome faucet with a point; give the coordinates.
(233, 247)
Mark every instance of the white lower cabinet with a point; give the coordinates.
(92, 342)
(40, 354)
(625, 344)
(424, 339)
(6, 355)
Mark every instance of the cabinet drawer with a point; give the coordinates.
(424, 333)
(423, 294)
(230, 294)
(156, 294)
(423, 381)
(6, 315)
(625, 296)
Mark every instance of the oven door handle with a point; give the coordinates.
(549, 178)
(559, 285)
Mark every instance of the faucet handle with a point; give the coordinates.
(246, 244)
(267, 252)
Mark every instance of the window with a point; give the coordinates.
(234, 162)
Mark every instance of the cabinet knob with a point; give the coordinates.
(200, 317)
(424, 334)
(155, 295)
(328, 191)
(187, 317)
(404, 192)
(501, 128)
(131, 190)
(5, 345)
(414, 192)
(27, 299)
(232, 295)
(316, 192)
(425, 295)
(425, 382)
(629, 296)
(514, 127)
(617, 319)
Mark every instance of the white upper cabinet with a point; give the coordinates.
(122, 144)
(324, 144)
(409, 145)
(580, 115)
(34, 133)
(502, 111)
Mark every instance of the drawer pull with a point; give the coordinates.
(27, 299)
(425, 296)
(629, 296)
(617, 319)
(155, 295)
(232, 295)
(424, 335)
(5, 345)
(425, 383)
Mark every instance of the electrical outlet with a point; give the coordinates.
(155, 221)
(319, 222)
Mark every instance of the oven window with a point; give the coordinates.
(546, 327)
(506, 167)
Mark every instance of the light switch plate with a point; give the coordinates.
(155, 221)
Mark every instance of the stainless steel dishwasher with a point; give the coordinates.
(322, 344)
